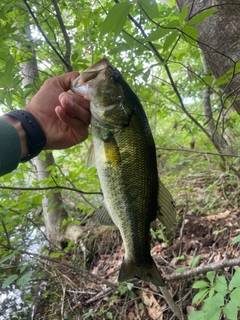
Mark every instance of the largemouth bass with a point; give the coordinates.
(124, 153)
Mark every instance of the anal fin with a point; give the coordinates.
(103, 216)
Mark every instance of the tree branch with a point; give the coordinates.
(66, 37)
(203, 269)
(48, 188)
(200, 152)
(43, 33)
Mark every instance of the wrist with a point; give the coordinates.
(22, 133)
(33, 133)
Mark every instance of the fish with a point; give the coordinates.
(124, 153)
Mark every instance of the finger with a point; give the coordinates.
(66, 97)
(76, 124)
(75, 109)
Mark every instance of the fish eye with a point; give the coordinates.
(114, 78)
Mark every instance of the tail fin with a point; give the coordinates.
(147, 272)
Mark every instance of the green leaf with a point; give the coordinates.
(211, 276)
(214, 302)
(222, 80)
(213, 313)
(221, 285)
(170, 40)
(200, 284)
(183, 14)
(194, 261)
(236, 240)
(8, 71)
(157, 34)
(235, 281)
(116, 18)
(234, 296)
(130, 41)
(25, 278)
(231, 311)
(190, 34)
(122, 288)
(208, 80)
(150, 7)
(146, 75)
(7, 258)
(179, 270)
(201, 16)
(173, 24)
(9, 280)
(56, 254)
(200, 296)
(196, 315)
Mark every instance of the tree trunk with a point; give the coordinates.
(219, 40)
(53, 210)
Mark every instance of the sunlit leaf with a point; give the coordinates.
(170, 40)
(150, 7)
(235, 281)
(190, 34)
(9, 280)
(25, 278)
(234, 296)
(116, 18)
(183, 14)
(236, 240)
(231, 310)
(157, 34)
(201, 16)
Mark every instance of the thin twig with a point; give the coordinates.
(203, 269)
(47, 188)
(173, 306)
(65, 34)
(43, 33)
(72, 266)
(201, 152)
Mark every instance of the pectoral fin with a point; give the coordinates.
(103, 216)
(167, 209)
(112, 152)
(90, 160)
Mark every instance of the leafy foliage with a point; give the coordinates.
(222, 297)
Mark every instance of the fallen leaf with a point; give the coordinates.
(218, 216)
(153, 307)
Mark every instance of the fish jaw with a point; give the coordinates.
(107, 100)
(82, 85)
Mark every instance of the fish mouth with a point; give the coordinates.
(80, 84)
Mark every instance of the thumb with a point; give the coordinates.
(66, 79)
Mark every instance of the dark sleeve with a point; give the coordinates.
(10, 147)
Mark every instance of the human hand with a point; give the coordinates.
(63, 116)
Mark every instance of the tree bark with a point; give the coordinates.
(53, 210)
(219, 40)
